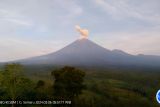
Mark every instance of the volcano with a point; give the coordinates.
(86, 53)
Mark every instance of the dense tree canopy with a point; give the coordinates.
(68, 82)
(103, 88)
(13, 81)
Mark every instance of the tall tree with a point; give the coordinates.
(68, 83)
(14, 81)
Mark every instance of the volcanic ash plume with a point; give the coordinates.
(84, 32)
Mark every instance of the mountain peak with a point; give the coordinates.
(86, 53)
(82, 52)
(84, 40)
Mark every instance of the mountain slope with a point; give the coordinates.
(87, 53)
(81, 52)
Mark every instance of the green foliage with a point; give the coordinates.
(13, 81)
(68, 82)
(103, 87)
(40, 84)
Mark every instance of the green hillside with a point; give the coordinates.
(103, 87)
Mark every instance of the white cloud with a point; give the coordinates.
(38, 14)
(23, 20)
(19, 22)
(13, 17)
(145, 42)
(144, 10)
(50, 21)
(15, 48)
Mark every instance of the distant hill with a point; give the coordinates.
(86, 53)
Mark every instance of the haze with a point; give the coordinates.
(35, 27)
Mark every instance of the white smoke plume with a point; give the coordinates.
(84, 32)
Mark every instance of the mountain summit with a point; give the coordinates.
(84, 52)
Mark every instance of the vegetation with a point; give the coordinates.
(68, 83)
(85, 87)
(13, 81)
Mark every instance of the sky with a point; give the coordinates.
(37, 27)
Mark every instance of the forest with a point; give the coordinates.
(79, 87)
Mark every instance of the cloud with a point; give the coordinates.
(26, 23)
(38, 14)
(19, 22)
(120, 9)
(144, 42)
(15, 48)
(13, 17)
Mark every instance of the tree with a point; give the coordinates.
(68, 83)
(14, 82)
(40, 84)
(41, 90)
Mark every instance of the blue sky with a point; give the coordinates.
(36, 27)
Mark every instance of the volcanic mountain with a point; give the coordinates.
(86, 53)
